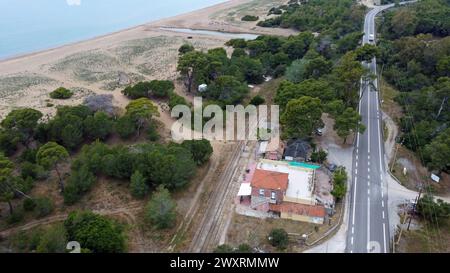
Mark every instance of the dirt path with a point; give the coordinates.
(128, 212)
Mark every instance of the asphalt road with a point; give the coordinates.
(369, 224)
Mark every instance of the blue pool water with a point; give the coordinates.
(304, 165)
(32, 25)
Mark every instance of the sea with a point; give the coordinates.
(28, 26)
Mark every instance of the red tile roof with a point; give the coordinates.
(300, 209)
(270, 180)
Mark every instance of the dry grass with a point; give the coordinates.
(428, 239)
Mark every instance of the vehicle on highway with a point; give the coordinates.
(319, 131)
(371, 38)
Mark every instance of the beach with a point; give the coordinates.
(145, 52)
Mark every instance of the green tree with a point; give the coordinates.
(125, 126)
(349, 122)
(6, 187)
(296, 72)
(433, 211)
(161, 89)
(348, 73)
(192, 68)
(278, 238)
(437, 153)
(49, 156)
(257, 100)
(339, 183)
(161, 209)
(95, 232)
(141, 110)
(138, 185)
(318, 67)
(22, 123)
(80, 182)
(228, 90)
(201, 150)
(98, 126)
(302, 116)
(367, 52)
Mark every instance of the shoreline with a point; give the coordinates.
(143, 52)
(97, 37)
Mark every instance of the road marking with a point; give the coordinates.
(354, 200)
(368, 223)
(353, 230)
(383, 213)
(368, 120)
(382, 194)
(352, 240)
(382, 203)
(368, 191)
(368, 177)
(356, 163)
(384, 237)
(356, 171)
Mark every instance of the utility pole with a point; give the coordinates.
(415, 206)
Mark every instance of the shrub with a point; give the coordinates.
(94, 232)
(279, 238)
(34, 171)
(16, 217)
(54, 240)
(160, 210)
(201, 150)
(257, 100)
(61, 94)
(138, 186)
(175, 99)
(224, 249)
(185, 49)
(44, 206)
(29, 204)
(319, 157)
(250, 18)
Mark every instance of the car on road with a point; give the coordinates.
(332, 167)
(371, 38)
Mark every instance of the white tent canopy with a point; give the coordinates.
(245, 190)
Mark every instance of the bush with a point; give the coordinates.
(224, 249)
(29, 204)
(257, 100)
(61, 94)
(161, 209)
(126, 127)
(138, 186)
(185, 49)
(250, 18)
(175, 99)
(44, 206)
(94, 232)
(16, 217)
(34, 171)
(339, 183)
(54, 240)
(319, 157)
(279, 238)
(201, 150)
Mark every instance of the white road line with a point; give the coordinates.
(352, 240)
(383, 214)
(356, 165)
(356, 171)
(353, 230)
(368, 119)
(384, 238)
(382, 203)
(382, 194)
(354, 200)
(368, 223)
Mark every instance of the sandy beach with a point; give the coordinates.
(144, 52)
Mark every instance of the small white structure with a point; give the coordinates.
(202, 88)
(435, 178)
(245, 190)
